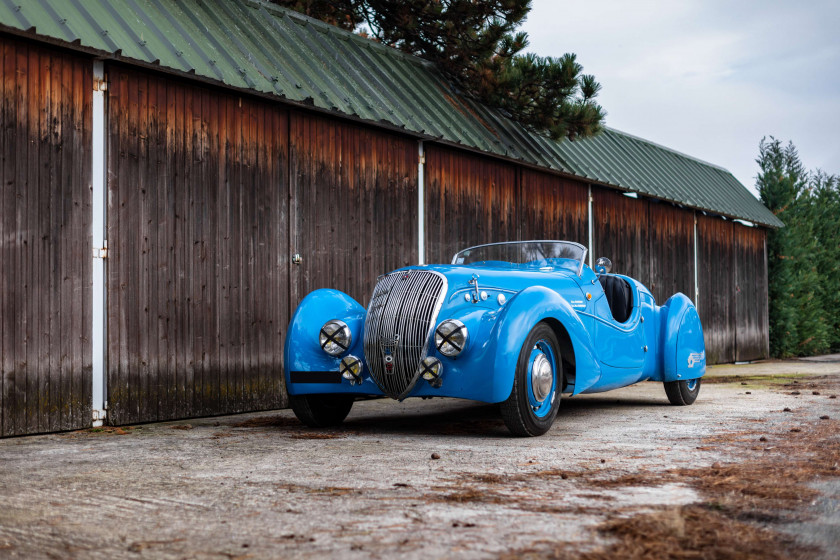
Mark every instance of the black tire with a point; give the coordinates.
(517, 412)
(321, 411)
(682, 393)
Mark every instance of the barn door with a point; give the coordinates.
(198, 250)
(45, 248)
(354, 205)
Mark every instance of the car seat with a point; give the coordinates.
(619, 296)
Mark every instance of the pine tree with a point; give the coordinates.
(798, 318)
(341, 13)
(825, 216)
(475, 45)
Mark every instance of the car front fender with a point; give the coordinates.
(521, 314)
(308, 369)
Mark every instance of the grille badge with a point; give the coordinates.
(389, 348)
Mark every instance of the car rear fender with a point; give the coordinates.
(683, 347)
(522, 312)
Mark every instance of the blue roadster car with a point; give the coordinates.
(517, 323)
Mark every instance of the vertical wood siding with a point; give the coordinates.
(671, 235)
(45, 239)
(717, 287)
(552, 208)
(199, 251)
(470, 200)
(751, 320)
(621, 233)
(354, 205)
(647, 240)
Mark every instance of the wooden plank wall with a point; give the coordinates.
(354, 209)
(470, 200)
(717, 287)
(551, 207)
(45, 239)
(751, 315)
(199, 250)
(671, 251)
(621, 233)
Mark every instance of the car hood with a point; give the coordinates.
(507, 278)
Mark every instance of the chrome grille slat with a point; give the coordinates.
(403, 304)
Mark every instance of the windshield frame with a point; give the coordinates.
(585, 251)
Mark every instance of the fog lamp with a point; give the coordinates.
(431, 369)
(351, 369)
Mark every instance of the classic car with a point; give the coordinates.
(517, 323)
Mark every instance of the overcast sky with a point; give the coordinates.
(708, 77)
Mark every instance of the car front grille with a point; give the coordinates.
(400, 319)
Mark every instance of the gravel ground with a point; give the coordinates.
(263, 486)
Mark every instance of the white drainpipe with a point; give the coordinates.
(591, 228)
(696, 267)
(100, 244)
(421, 208)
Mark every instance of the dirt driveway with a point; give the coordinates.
(750, 470)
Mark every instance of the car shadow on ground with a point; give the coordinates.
(453, 418)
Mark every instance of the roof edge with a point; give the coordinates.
(328, 27)
(667, 149)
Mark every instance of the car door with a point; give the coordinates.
(620, 345)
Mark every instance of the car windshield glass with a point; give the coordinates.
(525, 254)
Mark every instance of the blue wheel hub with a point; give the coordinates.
(541, 378)
(691, 384)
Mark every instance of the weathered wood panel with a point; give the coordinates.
(354, 193)
(621, 232)
(671, 251)
(45, 240)
(550, 207)
(199, 250)
(470, 200)
(752, 341)
(717, 287)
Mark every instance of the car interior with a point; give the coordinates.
(619, 296)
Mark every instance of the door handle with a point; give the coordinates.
(297, 259)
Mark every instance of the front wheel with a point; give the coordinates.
(321, 411)
(682, 393)
(535, 398)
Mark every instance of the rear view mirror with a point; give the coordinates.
(603, 265)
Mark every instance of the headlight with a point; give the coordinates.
(431, 369)
(335, 337)
(451, 337)
(351, 369)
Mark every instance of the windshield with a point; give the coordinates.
(526, 254)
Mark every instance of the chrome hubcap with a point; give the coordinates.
(542, 377)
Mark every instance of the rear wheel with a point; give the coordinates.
(321, 411)
(535, 398)
(682, 393)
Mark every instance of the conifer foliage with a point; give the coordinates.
(803, 258)
(476, 45)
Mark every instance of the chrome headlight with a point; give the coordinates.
(451, 337)
(431, 369)
(335, 337)
(351, 369)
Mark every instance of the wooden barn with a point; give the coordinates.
(178, 174)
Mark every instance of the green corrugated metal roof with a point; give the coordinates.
(252, 45)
